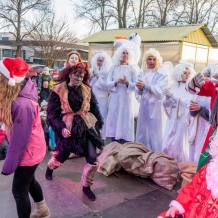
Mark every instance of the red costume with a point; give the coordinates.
(199, 199)
(195, 200)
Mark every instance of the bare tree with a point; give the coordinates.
(161, 13)
(14, 16)
(201, 11)
(52, 39)
(140, 11)
(96, 11)
(149, 13)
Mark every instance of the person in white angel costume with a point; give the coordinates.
(121, 82)
(101, 64)
(152, 80)
(176, 103)
(134, 41)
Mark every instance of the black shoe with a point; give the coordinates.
(87, 191)
(48, 174)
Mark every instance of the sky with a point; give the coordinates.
(65, 8)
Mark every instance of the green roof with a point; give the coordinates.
(155, 34)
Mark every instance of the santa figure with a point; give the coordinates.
(199, 198)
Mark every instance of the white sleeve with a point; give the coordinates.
(101, 84)
(181, 104)
(110, 80)
(131, 86)
(161, 84)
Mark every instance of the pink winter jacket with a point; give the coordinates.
(36, 148)
(27, 146)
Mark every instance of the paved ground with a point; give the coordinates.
(126, 196)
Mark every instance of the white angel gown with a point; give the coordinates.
(99, 88)
(120, 120)
(150, 124)
(175, 142)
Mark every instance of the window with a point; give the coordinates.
(188, 53)
(196, 54)
(6, 53)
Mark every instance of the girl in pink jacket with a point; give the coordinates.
(20, 115)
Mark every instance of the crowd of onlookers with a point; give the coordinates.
(45, 82)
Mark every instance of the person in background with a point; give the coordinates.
(152, 80)
(101, 64)
(45, 91)
(45, 75)
(43, 115)
(20, 114)
(73, 58)
(55, 75)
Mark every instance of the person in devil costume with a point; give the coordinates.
(74, 115)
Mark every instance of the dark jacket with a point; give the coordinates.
(44, 94)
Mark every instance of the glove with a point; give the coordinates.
(196, 83)
(168, 92)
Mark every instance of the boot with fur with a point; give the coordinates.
(41, 210)
(89, 171)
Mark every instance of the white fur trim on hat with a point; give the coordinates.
(11, 82)
(178, 206)
(18, 79)
(6, 73)
(4, 70)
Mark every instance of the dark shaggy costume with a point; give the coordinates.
(80, 133)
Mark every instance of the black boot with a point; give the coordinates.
(87, 191)
(48, 174)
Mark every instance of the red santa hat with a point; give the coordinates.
(15, 69)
